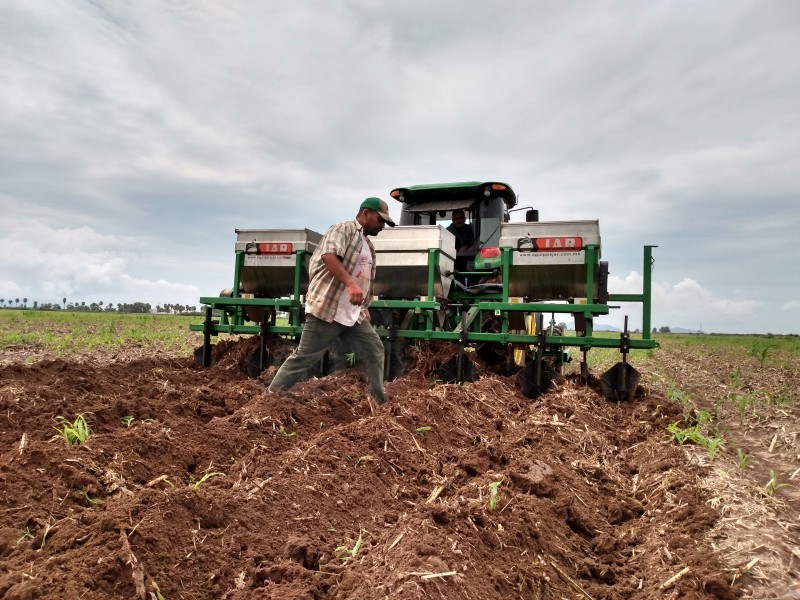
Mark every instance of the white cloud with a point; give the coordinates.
(687, 304)
(791, 306)
(80, 264)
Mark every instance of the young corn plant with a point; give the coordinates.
(760, 353)
(423, 430)
(773, 484)
(75, 432)
(205, 478)
(28, 535)
(743, 402)
(692, 434)
(744, 458)
(676, 395)
(344, 553)
(493, 494)
(90, 500)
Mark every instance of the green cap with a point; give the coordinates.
(380, 207)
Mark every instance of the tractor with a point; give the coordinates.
(490, 298)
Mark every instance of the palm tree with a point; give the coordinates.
(24, 302)
(64, 302)
(17, 301)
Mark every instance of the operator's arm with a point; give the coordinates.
(334, 264)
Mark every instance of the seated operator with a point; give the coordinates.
(465, 237)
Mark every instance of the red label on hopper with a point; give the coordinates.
(558, 244)
(275, 248)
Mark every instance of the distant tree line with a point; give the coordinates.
(122, 307)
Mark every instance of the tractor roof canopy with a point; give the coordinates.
(447, 196)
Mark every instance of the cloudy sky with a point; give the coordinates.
(135, 137)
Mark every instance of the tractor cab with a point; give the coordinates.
(485, 206)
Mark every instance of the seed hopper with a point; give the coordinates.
(500, 299)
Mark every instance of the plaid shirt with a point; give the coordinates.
(324, 290)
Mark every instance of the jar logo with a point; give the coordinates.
(550, 244)
(275, 248)
(559, 244)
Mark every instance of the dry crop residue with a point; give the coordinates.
(195, 483)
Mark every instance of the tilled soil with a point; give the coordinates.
(198, 484)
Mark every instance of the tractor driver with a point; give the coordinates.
(341, 274)
(465, 237)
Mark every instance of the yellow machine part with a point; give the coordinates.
(520, 350)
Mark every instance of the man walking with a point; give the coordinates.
(341, 273)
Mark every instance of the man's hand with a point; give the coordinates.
(334, 264)
(354, 290)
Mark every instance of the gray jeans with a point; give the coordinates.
(317, 337)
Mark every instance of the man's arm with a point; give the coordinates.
(334, 264)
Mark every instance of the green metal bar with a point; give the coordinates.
(415, 304)
(237, 270)
(238, 317)
(596, 309)
(506, 257)
(433, 256)
(590, 260)
(519, 338)
(219, 302)
(299, 265)
(647, 282)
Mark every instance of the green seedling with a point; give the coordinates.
(350, 359)
(156, 593)
(693, 435)
(423, 430)
(205, 478)
(678, 433)
(365, 458)
(127, 420)
(75, 432)
(760, 353)
(92, 501)
(344, 553)
(743, 401)
(713, 445)
(705, 416)
(778, 399)
(736, 378)
(676, 395)
(493, 494)
(287, 434)
(744, 459)
(28, 535)
(773, 484)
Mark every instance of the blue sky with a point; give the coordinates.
(136, 137)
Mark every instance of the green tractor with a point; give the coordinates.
(490, 295)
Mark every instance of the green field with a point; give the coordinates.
(65, 332)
